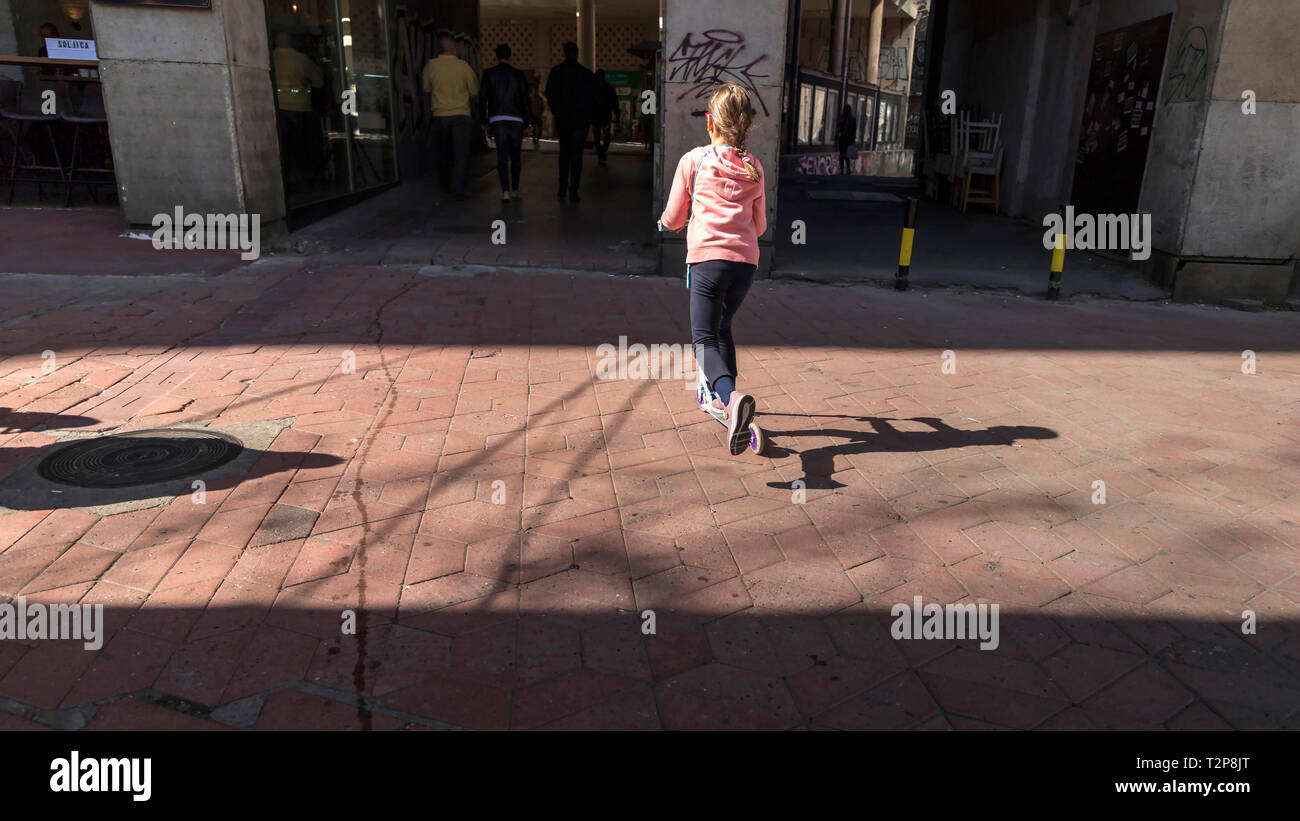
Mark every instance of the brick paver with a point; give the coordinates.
(449, 467)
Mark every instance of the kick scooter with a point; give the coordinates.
(757, 441)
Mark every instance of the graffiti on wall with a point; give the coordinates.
(1190, 66)
(819, 164)
(872, 163)
(416, 43)
(717, 56)
(893, 63)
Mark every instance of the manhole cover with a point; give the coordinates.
(139, 458)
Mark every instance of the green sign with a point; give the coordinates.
(627, 85)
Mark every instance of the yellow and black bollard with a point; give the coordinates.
(905, 249)
(1058, 263)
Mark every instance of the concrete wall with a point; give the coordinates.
(191, 110)
(692, 67)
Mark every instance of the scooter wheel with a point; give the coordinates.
(757, 441)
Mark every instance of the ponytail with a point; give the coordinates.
(733, 117)
(750, 168)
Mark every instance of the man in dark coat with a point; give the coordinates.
(571, 92)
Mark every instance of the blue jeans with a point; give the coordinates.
(509, 137)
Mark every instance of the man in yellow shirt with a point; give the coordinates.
(451, 84)
(301, 147)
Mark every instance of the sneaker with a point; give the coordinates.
(505, 196)
(514, 195)
(740, 412)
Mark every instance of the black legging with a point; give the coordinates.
(717, 289)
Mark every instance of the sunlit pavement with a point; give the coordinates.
(501, 521)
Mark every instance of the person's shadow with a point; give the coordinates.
(819, 463)
(16, 421)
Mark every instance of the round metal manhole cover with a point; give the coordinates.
(139, 457)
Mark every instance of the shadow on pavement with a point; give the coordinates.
(818, 463)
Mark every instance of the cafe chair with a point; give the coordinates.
(982, 158)
(22, 108)
(89, 111)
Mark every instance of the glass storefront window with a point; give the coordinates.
(330, 69)
(889, 120)
(365, 56)
(805, 113)
(865, 118)
(819, 117)
(832, 114)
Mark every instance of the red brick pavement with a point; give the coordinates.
(499, 519)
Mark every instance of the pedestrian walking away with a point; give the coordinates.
(606, 113)
(451, 84)
(846, 137)
(718, 195)
(571, 92)
(505, 108)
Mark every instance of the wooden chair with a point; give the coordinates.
(982, 158)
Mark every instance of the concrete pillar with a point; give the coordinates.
(542, 50)
(839, 33)
(873, 40)
(191, 110)
(587, 33)
(755, 32)
(1222, 184)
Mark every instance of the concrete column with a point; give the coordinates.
(542, 50)
(587, 33)
(839, 33)
(755, 32)
(191, 110)
(1222, 184)
(873, 40)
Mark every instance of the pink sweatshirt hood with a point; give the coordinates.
(731, 163)
(729, 211)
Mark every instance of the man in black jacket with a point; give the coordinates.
(606, 111)
(571, 92)
(505, 110)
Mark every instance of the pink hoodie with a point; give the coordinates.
(730, 210)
